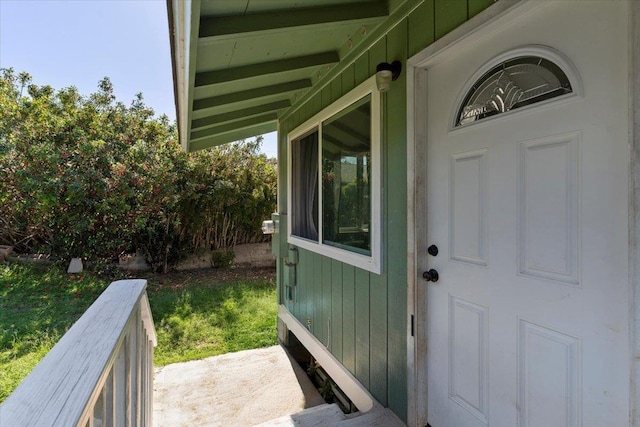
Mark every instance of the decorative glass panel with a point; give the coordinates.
(346, 177)
(513, 84)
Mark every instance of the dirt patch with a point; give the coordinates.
(209, 276)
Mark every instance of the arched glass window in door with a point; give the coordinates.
(512, 84)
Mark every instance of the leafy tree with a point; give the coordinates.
(92, 177)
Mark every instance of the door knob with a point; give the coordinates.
(430, 276)
(432, 250)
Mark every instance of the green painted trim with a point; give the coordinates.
(237, 135)
(363, 332)
(318, 325)
(287, 19)
(421, 27)
(239, 114)
(361, 68)
(379, 353)
(349, 318)
(336, 309)
(301, 286)
(336, 90)
(314, 106)
(376, 35)
(326, 301)
(190, 57)
(477, 6)
(449, 14)
(233, 126)
(325, 97)
(274, 67)
(348, 78)
(395, 156)
(251, 94)
(378, 54)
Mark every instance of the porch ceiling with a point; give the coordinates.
(238, 65)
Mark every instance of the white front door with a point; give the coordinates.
(528, 323)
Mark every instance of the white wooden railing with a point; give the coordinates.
(99, 374)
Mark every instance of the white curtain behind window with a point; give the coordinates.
(304, 154)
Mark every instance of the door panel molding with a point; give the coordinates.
(469, 374)
(416, 188)
(541, 350)
(551, 162)
(417, 69)
(467, 207)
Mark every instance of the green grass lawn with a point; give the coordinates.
(197, 314)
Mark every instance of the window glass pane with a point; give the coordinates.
(513, 84)
(346, 177)
(304, 186)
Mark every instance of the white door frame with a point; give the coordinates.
(489, 20)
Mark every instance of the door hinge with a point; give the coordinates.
(412, 325)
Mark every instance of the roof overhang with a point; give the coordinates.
(240, 65)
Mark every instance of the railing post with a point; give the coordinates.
(109, 399)
(139, 391)
(99, 374)
(120, 378)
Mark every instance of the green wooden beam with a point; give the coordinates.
(233, 126)
(238, 114)
(230, 74)
(221, 26)
(245, 95)
(232, 136)
(374, 36)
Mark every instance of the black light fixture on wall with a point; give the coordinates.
(386, 73)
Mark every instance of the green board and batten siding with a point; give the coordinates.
(361, 316)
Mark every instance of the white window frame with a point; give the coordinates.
(373, 262)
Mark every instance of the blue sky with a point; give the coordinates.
(78, 42)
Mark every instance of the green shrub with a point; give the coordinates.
(90, 177)
(222, 258)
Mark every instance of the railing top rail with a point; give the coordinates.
(57, 391)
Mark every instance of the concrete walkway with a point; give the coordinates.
(264, 386)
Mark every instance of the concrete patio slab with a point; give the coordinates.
(331, 415)
(264, 387)
(235, 389)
